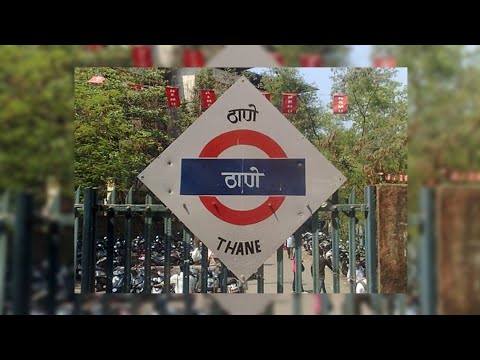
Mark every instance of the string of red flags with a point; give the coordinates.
(340, 104)
(208, 98)
(289, 104)
(389, 178)
(279, 58)
(142, 56)
(94, 48)
(266, 94)
(193, 58)
(395, 178)
(384, 61)
(96, 80)
(463, 176)
(311, 60)
(173, 96)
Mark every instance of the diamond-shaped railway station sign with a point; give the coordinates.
(242, 178)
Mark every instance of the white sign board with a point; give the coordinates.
(242, 178)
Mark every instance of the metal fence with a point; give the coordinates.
(18, 219)
(27, 230)
(91, 213)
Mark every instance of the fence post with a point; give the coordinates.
(428, 279)
(110, 240)
(128, 243)
(315, 254)
(298, 262)
(326, 304)
(260, 280)
(297, 304)
(22, 254)
(186, 261)
(401, 303)
(349, 304)
(366, 234)
(223, 278)
(335, 245)
(88, 240)
(203, 274)
(280, 270)
(75, 235)
(186, 272)
(371, 243)
(53, 252)
(351, 243)
(147, 263)
(167, 229)
(3, 248)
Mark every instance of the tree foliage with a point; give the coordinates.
(374, 135)
(371, 138)
(36, 117)
(309, 113)
(119, 130)
(444, 102)
(444, 106)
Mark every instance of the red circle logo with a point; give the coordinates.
(225, 141)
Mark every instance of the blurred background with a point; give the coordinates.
(36, 181)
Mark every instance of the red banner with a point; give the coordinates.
(279, 58)
(142, 56)
(208, 98)
(94, 47)
(384, 61)
(172, 96)
(267, 95)
(96, 80)
(289, 104)
(340, 104)
(311, 60)
(193, 58)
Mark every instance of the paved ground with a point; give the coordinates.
(270, 274)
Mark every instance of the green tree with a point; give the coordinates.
(36, 118)
(373, 137)
(443, 110)
(119, 130)
(289, 80)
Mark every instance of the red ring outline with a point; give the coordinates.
(242, 137)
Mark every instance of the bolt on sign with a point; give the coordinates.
(340, 104)
(208, 98)
(172, 96)
(242, 178)
(289, 104)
